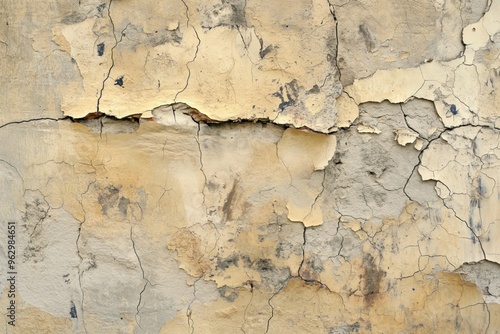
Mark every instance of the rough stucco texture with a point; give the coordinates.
(250, 166)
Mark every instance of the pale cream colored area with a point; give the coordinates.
(347, 111)
(406, 136)
(367, 129)
(303, 154)
(394, 85)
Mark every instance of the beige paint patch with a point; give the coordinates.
(313, 151)
(394, 85)
(367, 129)
(405, 136)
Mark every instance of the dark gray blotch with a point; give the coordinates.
(72, 311)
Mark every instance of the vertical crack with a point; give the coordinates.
(272, 307)
(334, 15)
(117, 41)
(197, 138)
(80, 274)
(138, 307)
(489, 317)
(195, 54)
(317, 196)
(189, 311)
(303, 251)
(281, 160)
(246, 309)
(81, 270)
(112, 56)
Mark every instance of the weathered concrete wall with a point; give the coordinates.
(250, 166)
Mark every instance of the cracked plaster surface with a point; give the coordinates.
(239, 166)
(287, 75)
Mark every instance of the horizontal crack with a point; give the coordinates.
(34, 120)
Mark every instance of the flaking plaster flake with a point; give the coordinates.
(288, 77)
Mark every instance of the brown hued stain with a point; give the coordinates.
(372, 278)
(227, 208)
(189, 252)
(197, 116)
